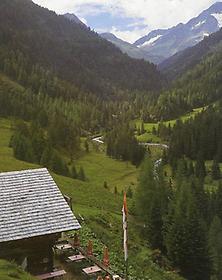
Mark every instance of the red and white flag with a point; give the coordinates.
(125, 213)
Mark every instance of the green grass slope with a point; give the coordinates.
(10, 271)
(148, 136)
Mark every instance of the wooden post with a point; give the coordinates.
(126, 269)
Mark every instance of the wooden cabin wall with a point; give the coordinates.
(34, 254)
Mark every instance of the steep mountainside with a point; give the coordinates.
(130, 49)
(165, 43)
(199, 86)
(176, 65)
(70, 50)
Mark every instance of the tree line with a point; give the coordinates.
(201, 136)
(197, 87)
(32, 143)
(182, 219)
(122, 144)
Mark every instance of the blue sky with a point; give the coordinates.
(129, 19)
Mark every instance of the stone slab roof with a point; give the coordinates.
(32, 205)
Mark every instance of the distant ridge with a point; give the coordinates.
(130, 49)
(164, 43)
(178, 64)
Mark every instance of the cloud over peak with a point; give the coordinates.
(129, 19)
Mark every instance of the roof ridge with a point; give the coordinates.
(43, 211)
(23, 171)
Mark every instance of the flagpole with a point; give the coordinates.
(126, 264)
(125, 237)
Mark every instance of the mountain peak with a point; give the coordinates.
(216, 6)
(130, 49)
(167, 42)
(73, 18)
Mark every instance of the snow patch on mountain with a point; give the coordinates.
(201, 36)
(198, 24)
(206, 34)
(151, 41)
(218, 17)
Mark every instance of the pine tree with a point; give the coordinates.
(182, 169)
(86, 146)
(215, 170)
(73, 172)
(105, 185)
(151, 203)
(215, 247)
(129, 192)
(81, 174)
(58, 165)
(154, 132)
(191, 168)
(200, 168)
(218, 201)
(46, 157)
(164, 157)
(185, 236)
(115, 190)
(142, 129)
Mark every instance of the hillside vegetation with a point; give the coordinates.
(185, 60)
(199, 86)
(10, 271)
(70, 50)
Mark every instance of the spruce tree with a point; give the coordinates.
(129, 192)
(115, 190)
(73, 172)
(185, 236)
(218, 201)
(215, 247)
(164, 157)
(200, 168)
(142, 130)
(151, 203)
(58, 165)
(105, 185)
(190, 168)
(86, 146)
(81, 175)
(215, 170)
(46, 157)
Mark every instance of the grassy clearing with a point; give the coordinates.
(150, 137)
(7, 161)
(100, 168)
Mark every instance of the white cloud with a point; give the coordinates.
(129, 36)
(153, 13)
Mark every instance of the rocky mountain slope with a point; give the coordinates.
(130, 49)
(165, 43)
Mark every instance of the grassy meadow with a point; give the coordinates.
(148, 136)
